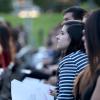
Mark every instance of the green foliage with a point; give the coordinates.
(83, 1)
(85, 6)
(43, 3)
(97, 2)
(5, 5)
(52, 5)
(45, 23)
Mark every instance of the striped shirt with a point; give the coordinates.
(69, 67)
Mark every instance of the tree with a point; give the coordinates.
(5, 5)
(97, 2)
(53, 5)
(42, 3)
(84, 0)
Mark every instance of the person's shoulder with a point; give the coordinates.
(74, 57)
(77, 54)
(67, 59)
(98, 81)
(96, 95)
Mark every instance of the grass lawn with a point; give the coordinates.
(43, 24)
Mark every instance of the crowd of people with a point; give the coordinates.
(69, 60)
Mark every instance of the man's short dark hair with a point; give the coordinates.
(76, 11)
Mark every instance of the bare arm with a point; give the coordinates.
(96, 93)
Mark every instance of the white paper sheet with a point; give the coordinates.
(30, 89)
(19, 92)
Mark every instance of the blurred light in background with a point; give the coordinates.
(27, 10)
(28, 14)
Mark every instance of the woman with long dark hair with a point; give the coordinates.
(73, 58)
(86, 88)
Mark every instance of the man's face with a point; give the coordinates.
(68, 16)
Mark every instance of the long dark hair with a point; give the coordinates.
(92, 34)
(4, 41)
(75, 32)
(4, 37)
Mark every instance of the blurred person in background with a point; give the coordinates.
(88, 82)
(23, 38)
(52, 46)
(8, 51)
(52, 42)
(5, 56)
(5, 60)
(48, 55)
(73, 13)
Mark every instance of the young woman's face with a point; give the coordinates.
(84, 40)
(63, 38)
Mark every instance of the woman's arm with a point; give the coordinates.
(96, 93)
